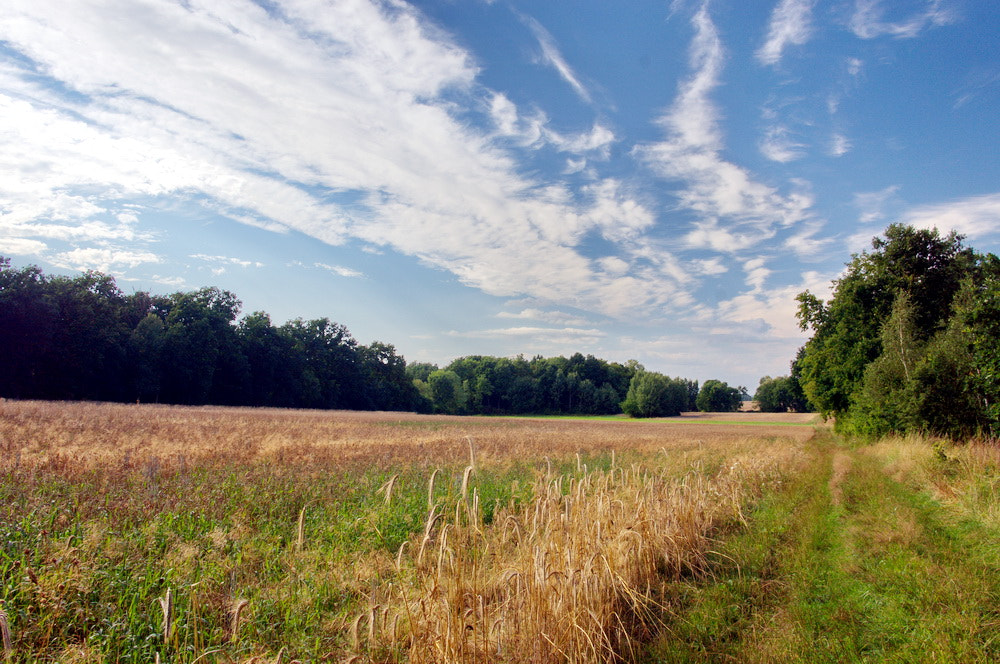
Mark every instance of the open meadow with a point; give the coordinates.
(136, 533)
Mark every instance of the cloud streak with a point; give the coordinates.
(552, 57)
(790, 25)
(711, 186)
(977, 217)
(868, 20)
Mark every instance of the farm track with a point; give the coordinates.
(844, 564)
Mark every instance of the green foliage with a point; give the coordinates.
(446, 391)
(82, 338)
(847, 329)
(980, 311)
(883, 405)
(651, 394)
(718, 397)
(908, 341)
(780, 395)
(579, 384)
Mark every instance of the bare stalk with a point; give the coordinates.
(234, 619)
(8, 648)
(167, 606)
(387, 488)
(430, 488)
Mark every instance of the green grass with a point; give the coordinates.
(848, 567)
(83, 562)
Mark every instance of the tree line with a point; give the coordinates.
(581, 385)
(908, 342)
(82, 338)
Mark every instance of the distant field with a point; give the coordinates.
(102, 433)
(130, 533)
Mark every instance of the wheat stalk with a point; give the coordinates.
(472, 452)
(430, 488)
(8, 648)
(167, 606)
(465, 482)
(301, 530)
(234, 620)
(387, 488)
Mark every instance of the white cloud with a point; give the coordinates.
(539, 334)
(554, 317)
(574, 166)
(340, 270)
(707, 267)
(773, 308)
(757, 273)
(598, 139)
(251, 113)
(805, 243)
(872, 204)
(976, 217)
(20, 246)
(102, 259)
(504, 114)
(713, 187)
(227, 260)
(778, 145)
(789, 25)
(839, 145)
(868, 20)
(552, 57)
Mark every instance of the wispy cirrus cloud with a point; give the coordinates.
(340, 270)
(977, 217)
(778, 144)
(539, 335)
(546, 316)
(102, 259)
(868, 19)
(872, 204)
(790, 25)
(552, 57)
(773, 309)
(227, 260)
(21, 247)
(691, 153)
(839, 145)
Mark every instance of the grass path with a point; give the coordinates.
(844, 564)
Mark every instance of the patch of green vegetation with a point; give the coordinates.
(842, 564)
(84, 571)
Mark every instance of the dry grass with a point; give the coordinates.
(263, 529)
(572, 576)
(49, 434)
(965, 477)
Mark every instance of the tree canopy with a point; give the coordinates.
(716, 396)
(82, 338)
(907, 341)
(780, 395)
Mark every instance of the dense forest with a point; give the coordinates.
(908, 342)
(83, 338)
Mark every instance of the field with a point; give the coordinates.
(141, 533)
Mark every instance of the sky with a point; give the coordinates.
(643, 180)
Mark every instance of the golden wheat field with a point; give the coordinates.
(138, 533)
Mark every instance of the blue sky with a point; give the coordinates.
(648, 180)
